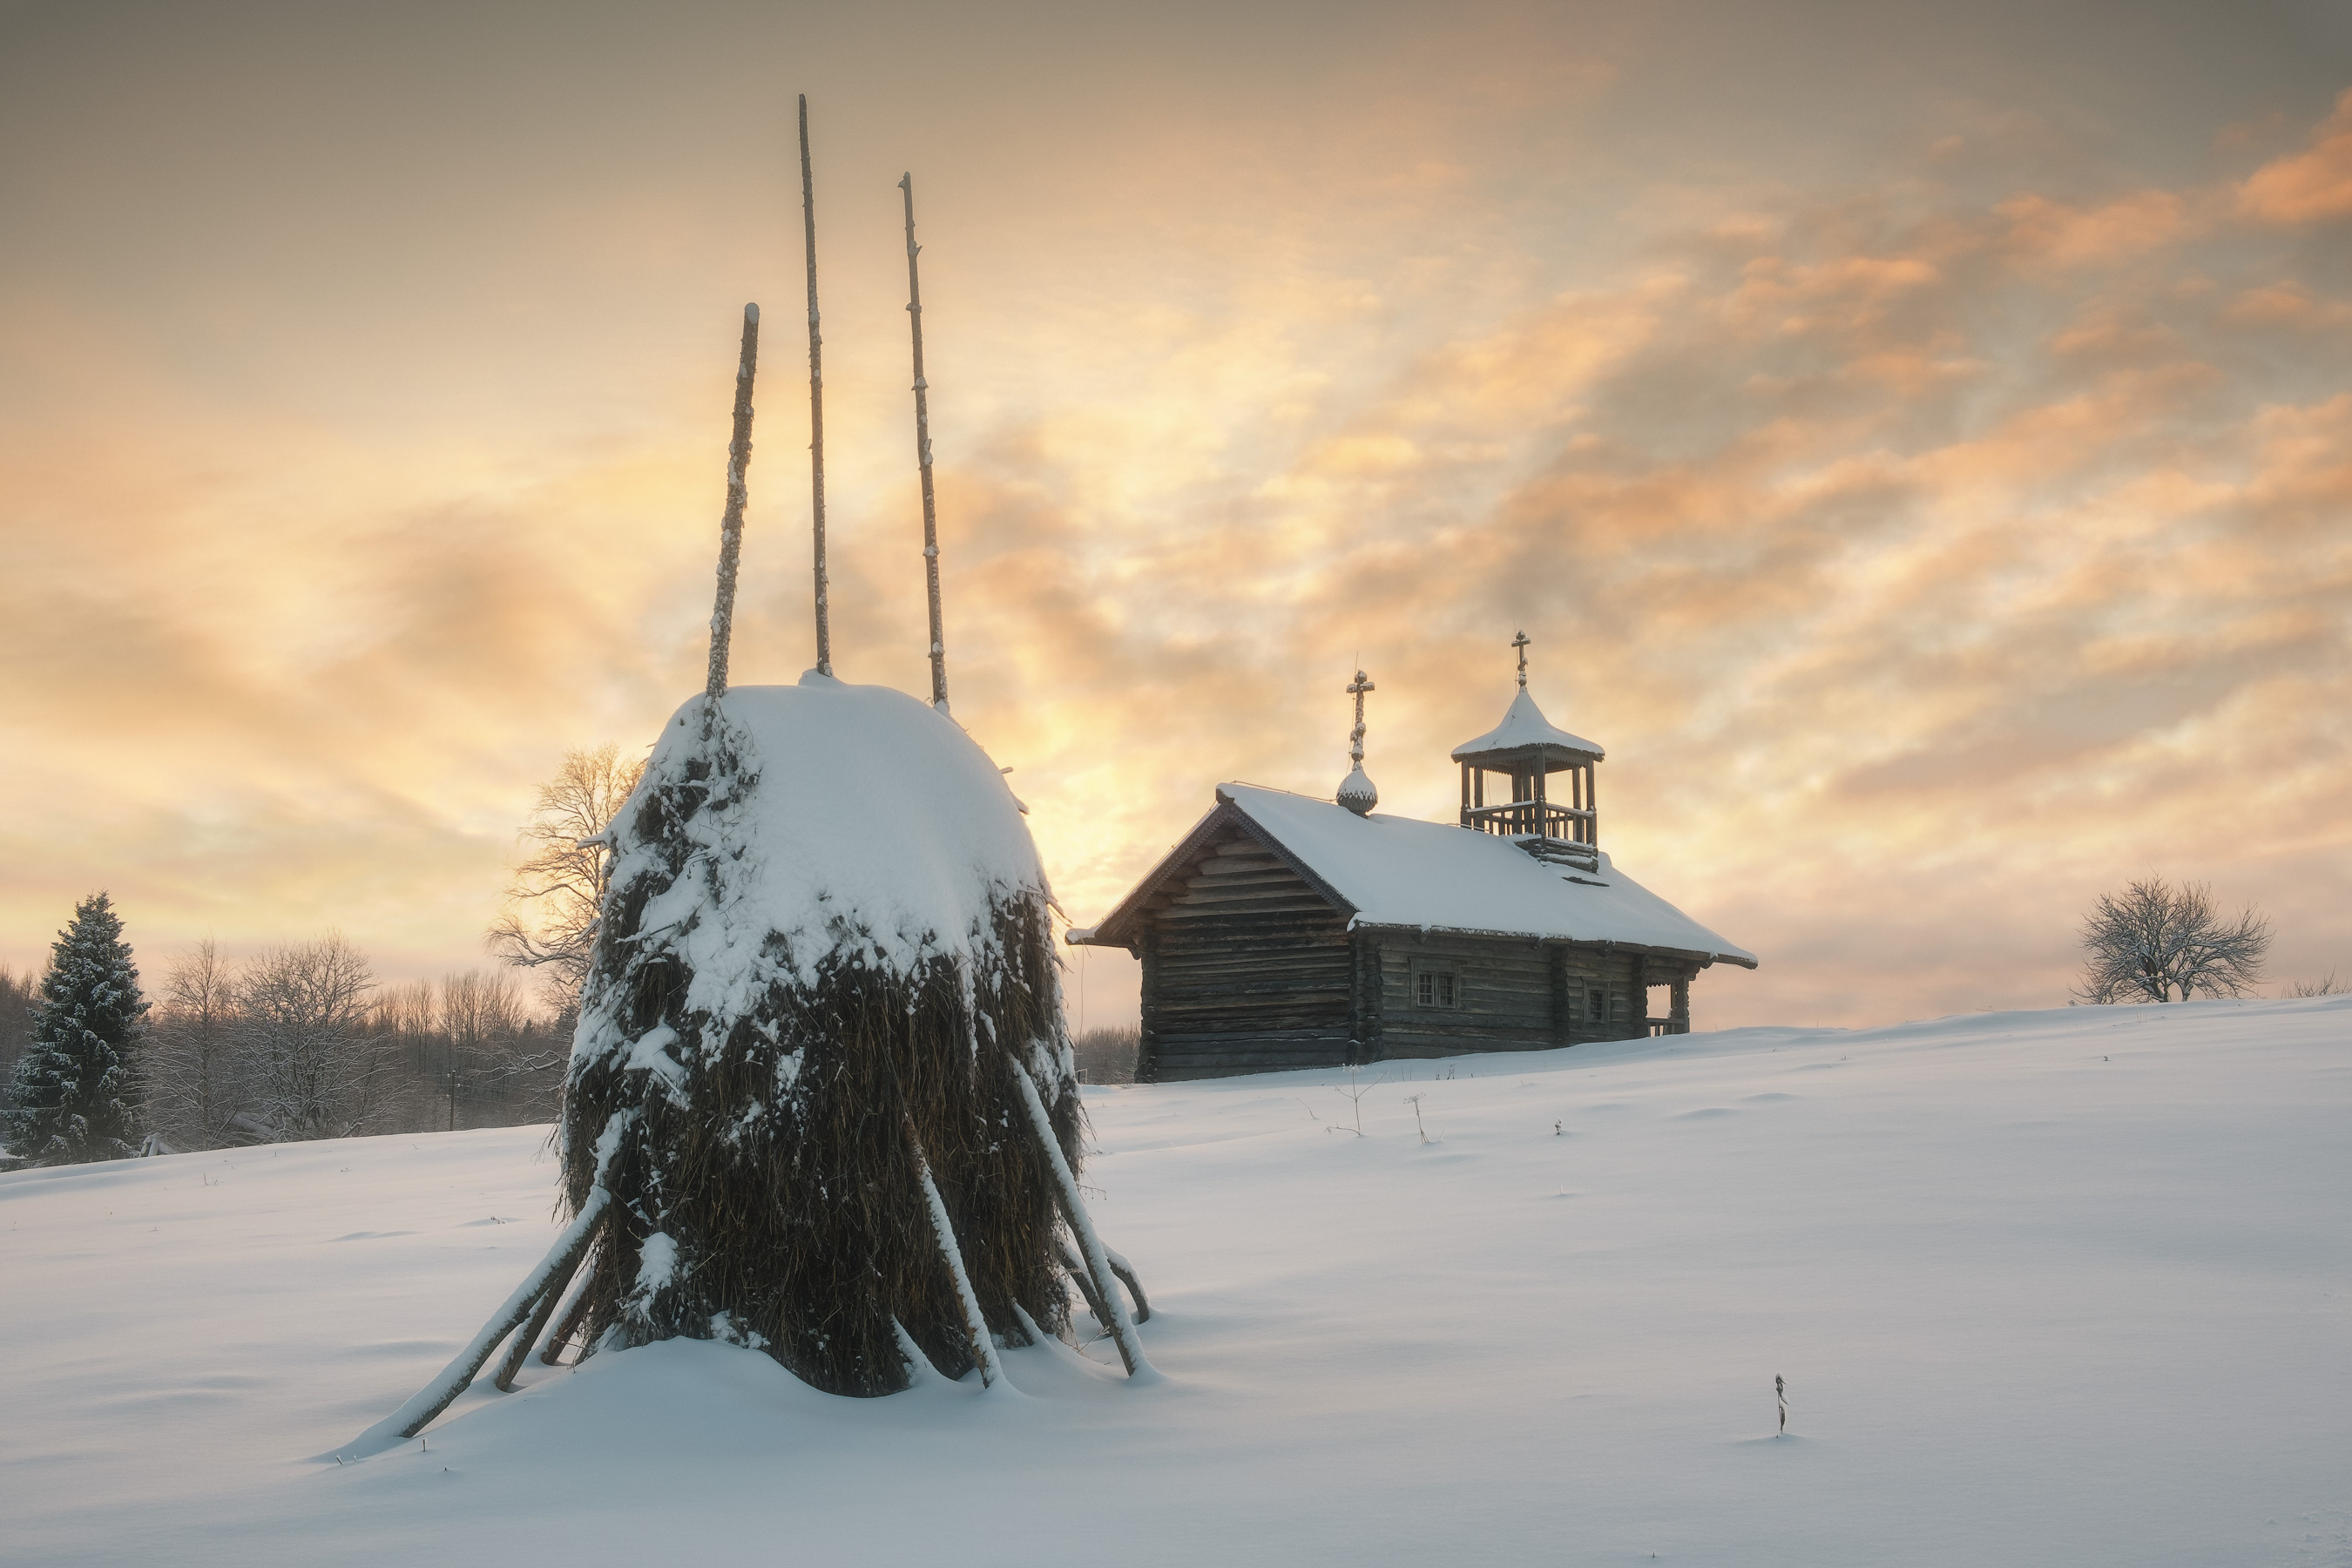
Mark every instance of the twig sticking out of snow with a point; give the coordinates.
(1074, 1210)
(1354, 1092)
(731, 526)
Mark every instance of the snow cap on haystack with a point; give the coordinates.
(850, 817)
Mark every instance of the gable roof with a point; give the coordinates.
(1524, 725)
(1398, 872)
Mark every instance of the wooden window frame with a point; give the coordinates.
(1433, 970)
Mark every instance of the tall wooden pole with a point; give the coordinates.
(817, 400)
(731, 526)
(923, 454)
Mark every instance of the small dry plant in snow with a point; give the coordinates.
(1353, 1091)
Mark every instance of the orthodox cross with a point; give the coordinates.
(1356, 689)
(1520, 642)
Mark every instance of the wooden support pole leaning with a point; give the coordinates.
(563, 1260)
(816, 401)
(1075, 1268)
(437, 1396)
(548, 1301)
(923, 453)
(570, 1323)
(1126, 1272)
(1074, 1211)
(731, 526)
(983, 1345)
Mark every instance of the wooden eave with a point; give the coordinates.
(1554, 758)
(1119, 928)
(1604, 945)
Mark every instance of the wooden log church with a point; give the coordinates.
(1287, 931)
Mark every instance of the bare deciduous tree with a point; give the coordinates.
(2155, 942)
(411, 1018)
(190, 1068)
(2327, 984)
(315, 1068)
(17, 993)
(510, 1064)
(551, 923)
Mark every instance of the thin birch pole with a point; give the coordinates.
(923, 454)
(731, 526)
(528, 1340)
(1090, 1246)
(984, 1347)
(817, 400)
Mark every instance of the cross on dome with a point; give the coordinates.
(1356, 790)
(1520, 642)
(1356, 689)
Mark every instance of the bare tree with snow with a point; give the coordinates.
(315, 1065)
(551, 920)
(2155, 942)
(190, 1067)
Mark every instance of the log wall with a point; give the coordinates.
(1246, 969)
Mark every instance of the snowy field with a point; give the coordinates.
(2066, 1288)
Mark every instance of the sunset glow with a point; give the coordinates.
(1920, 449)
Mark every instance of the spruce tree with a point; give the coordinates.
(76, 1087)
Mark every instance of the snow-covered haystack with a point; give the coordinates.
(825, 963)
(820, 1102)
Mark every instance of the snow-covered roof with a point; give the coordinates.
(1524, 725)
(1398, 871)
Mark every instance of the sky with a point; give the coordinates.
(1917, 441)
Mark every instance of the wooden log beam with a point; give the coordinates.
(984, 1345)
(1073, 1212)
(523, 1341)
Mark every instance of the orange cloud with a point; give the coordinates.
(2046, 232)
(2314, 185)
(2287, 303)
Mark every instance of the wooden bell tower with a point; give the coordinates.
(1524, 753)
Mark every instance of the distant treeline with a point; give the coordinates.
(225, 1059)
(1108, 1055)
(301, 1041)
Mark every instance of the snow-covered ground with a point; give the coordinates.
(2065, 1288)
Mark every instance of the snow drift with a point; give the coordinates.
(2066, 1288)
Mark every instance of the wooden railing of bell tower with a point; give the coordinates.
(1530, 813)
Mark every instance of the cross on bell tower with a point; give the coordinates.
(1356, 790)
(1525, 752)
